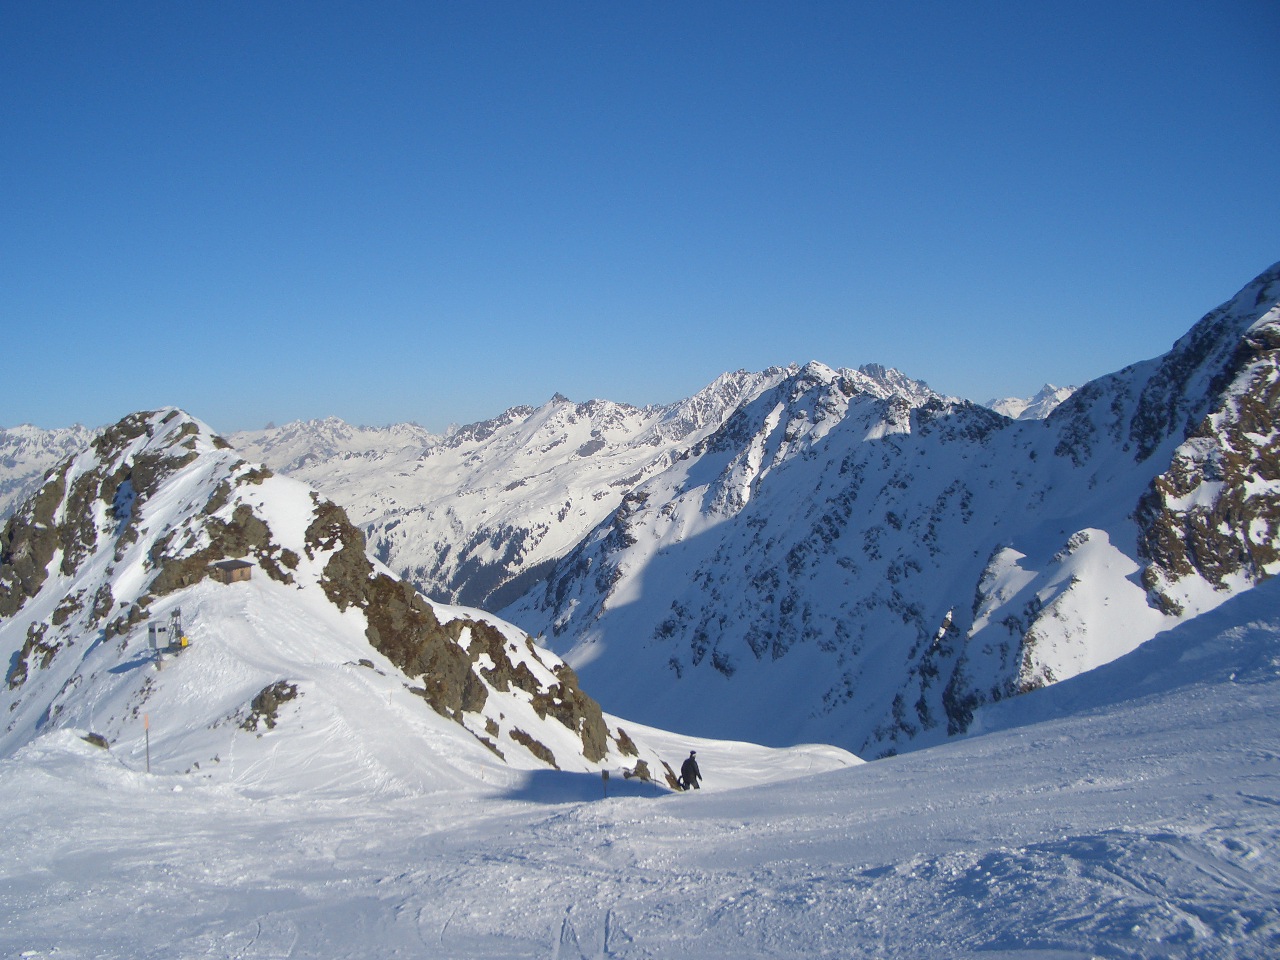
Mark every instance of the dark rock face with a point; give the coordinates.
(28, 542)
(1215, 513)
(36, 649)
(535, 747)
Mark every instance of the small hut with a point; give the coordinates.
(230, 571)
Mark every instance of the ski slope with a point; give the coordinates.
(1132, 812)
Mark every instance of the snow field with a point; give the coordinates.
(1141, 819)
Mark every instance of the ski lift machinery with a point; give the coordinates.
(167, 637)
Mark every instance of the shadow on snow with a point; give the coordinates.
(556, 786)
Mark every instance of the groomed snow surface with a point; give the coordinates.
(1137, 816)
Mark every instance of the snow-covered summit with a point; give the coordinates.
(320, 668)
(1038, 407)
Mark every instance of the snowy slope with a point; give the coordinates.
(1139, 818)
(319, 670)
(810, 554)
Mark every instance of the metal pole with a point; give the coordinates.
(146, 726)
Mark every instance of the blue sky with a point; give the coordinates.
(433, 211)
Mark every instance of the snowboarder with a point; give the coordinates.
(689, 772)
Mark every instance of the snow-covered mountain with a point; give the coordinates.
(296, 446)
(320, 659)
(478, 516)
(870, 560)
(1034, 408)
(319, 785)
(26, 452)
(835, 565)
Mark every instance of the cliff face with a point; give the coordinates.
(121, 533)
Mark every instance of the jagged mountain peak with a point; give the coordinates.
(533, 482)
(870, 378)
(894, 382)
(139, 526)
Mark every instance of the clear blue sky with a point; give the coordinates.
(433, 211)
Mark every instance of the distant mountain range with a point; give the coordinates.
(1036, 408)
(837, 555)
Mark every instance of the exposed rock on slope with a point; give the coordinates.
(1212, 519)
(447, 657)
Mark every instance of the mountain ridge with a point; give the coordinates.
(475, 516)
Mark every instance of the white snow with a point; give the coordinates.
(1139, 817)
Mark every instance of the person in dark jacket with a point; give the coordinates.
(689, 772)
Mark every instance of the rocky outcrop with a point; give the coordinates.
(458, 662)
(95, 500)
(1214, 514)
(28, 542)
(264, 710)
